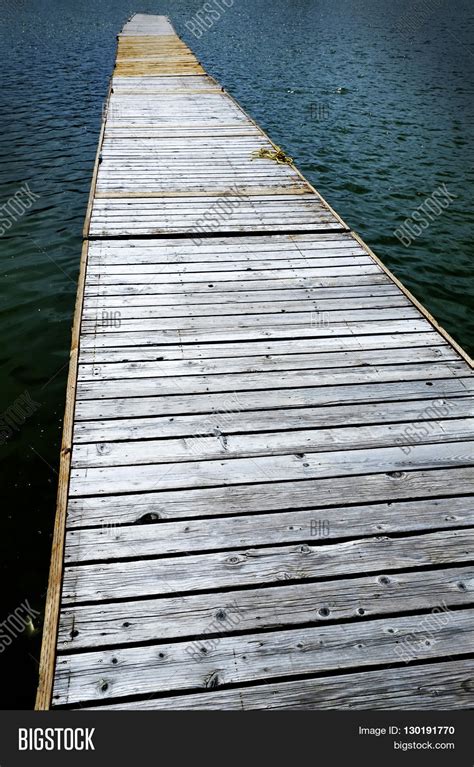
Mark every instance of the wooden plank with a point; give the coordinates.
(427, 687)
(346, 258)
(254, 421)
(151, 25)
(190, 131)
(263, 363)
(318, 347)
(151, 216)
(307, 317)
(171, 149)
(152, 540)
(266, 399)
(167, 252)
(294, 320)
(152, 68)
(303, 330)
(240, 382)
(240, 567)
(201, 615)
(318, 309)
(155, 451)
(242, 248)
(118, 227)
(236, 471)
(161, 276)
(255, 657)
(193, 288)
(311, 494)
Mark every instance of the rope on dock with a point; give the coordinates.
(277, 154)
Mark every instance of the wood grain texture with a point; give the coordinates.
(207, 615)
(91, 676)
(221, 403)
(268, 454)
(270, 469)
(236, 568)
(277, 443)
(276, 496)
(114, 542)
(432, 687)
(254, 421)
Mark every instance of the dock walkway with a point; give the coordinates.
(266, 483)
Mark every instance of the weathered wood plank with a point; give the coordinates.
(387, 486)
(309, 525)
(252, 364)
(131, 671)
(232, 422)
(152, 216)
(264, 349)
(320, 309)
(235, 568)
(307, 318)
(193, 288)
(200, 615)
(427, 687)
(347, 258)
(236, 471)
(276, 248)
(161, 277)
(134, 453)
(241, 300)
(223, 402)
(271, 379)
(254, 333)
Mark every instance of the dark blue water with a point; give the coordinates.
(374, 100)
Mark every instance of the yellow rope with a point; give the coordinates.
(277, 154)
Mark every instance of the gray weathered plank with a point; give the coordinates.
(309, 525)
(235, 568)
(236, 471)
(254, 333)
(152, 451)
(129, 671)
(427, 687)
(240, 382)
(317, 347)
(235, 421)
(264, 362)
(318, 494)
(223, 402)
(200, 615)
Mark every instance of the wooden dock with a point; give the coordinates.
(266, 483)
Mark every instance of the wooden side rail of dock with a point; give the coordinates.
(266, 483)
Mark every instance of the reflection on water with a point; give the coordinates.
(373, 100)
